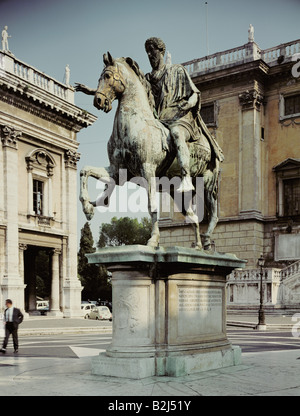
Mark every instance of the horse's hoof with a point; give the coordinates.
(89, 216)
(88, 209)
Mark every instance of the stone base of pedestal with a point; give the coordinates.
(135, 368)
(174, 366)
(34, 313)
(72, 295)
(261, 327)
(75, 314)
(196, 363)
(169, 312)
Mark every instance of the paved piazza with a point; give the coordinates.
(60, 365)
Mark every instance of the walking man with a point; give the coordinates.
(12, 318)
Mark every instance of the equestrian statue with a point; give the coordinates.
(158, 132)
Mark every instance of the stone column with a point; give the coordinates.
(31, 282)
(54, 298)
(12, 284)
(22, 248)
(72, 285)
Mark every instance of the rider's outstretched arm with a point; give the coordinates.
(83, 88)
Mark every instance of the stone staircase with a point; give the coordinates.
(290, 277)
(291, 271)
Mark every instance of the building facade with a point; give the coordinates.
(251, 103)
(38, 188)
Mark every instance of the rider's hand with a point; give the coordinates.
(83, 88)
(80, 87)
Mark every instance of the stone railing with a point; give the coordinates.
(285, 50)
(269, 275)
(236, 56)
(290, 270)
(31, 75)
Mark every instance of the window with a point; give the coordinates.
(289, 106)
(38, 197)
(208, 113)
(40, 166)
(288, 187)
(291, 196)
(292, 105)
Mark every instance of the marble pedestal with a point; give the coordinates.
(169, 311)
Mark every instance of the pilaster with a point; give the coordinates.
(250, 197)
(72, 285)
(12, 284)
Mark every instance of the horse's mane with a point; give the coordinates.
(141, 76)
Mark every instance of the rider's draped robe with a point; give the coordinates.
(171, 85)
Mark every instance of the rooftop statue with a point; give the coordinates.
(251, 33)
(5, 37)
(158, 132)
(67, 75)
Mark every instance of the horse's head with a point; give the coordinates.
(111, 84)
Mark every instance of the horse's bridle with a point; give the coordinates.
(116, 78)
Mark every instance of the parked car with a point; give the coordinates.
(86, 309)
(105, 303)
(102, 313)
(42, 306)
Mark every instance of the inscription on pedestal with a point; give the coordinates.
(198, 299)
(199, 311)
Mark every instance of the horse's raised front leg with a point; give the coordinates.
(97, 173)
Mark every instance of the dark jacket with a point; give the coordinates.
(17, 317)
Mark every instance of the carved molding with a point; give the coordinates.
(290, 122)
(251, 99)
(40, 158)
(71, 158)
(10, 137)
(22, 246)
(45, 111)
(55, 251)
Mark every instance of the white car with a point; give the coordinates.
(42, 305)
(101, 312)
(86, 309)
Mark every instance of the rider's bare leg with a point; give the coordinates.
(180, 137)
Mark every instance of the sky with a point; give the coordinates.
(48, 34)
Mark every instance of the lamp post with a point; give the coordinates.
(261, 313)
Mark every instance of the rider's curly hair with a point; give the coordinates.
(157, 43)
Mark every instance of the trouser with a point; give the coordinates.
(10, 329)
